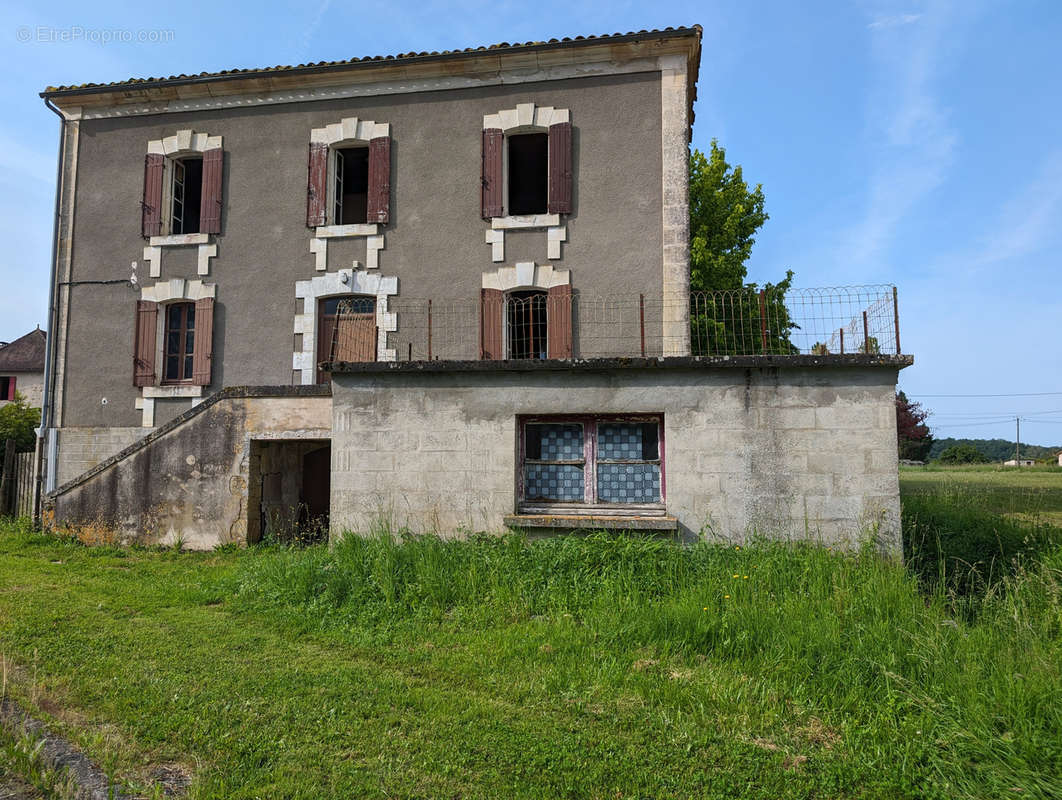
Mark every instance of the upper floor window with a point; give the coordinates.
(527, 162)
(526, 325)
(350, 186)
(186, 194)
(349, 174)
(528, 175)
(182, 185)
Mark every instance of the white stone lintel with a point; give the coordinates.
(525, 221)
(338, 231)
(179, 239)
(526, 275)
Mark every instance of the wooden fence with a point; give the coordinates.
(16, 482)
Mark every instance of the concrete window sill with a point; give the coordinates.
(591, 522)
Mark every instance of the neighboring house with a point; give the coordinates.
(22, 368)
(437, 291)
(1023, 462)
(1060, 458)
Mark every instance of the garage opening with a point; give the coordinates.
(289, 491)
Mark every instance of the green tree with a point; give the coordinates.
(962, 454)
(17, 421)
(912, 434)
(730, 316)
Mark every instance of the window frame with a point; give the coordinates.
(590, 504)
(508, 302)
(333, 210)
(189, 353)
(507, 211)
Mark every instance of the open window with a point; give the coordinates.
(346, 331)
(186, 192)
(7, 387)
(526, 323)
(528, 157)
(183, 187)
(591, 463)
(350, 185)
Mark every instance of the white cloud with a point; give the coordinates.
(895, 21)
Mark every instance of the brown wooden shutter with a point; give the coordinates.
(203, 346)
(491, 304)
(491, 194)
(560, 168)
(559, 321)
(210, 207)
(11, 382)
(379, 180)
(151, 207)
(147, 315)
(317, 186)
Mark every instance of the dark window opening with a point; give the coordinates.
(346, 331)
(180, 342)
(528, 177)
(187, 195)
(525, 316)
(7, 388)
(351, 186)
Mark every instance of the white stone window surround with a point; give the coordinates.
(345, 282)
(525, 118)
(176, 290)
(348, 132)
(180, 144)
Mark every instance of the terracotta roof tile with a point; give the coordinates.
(694, 30)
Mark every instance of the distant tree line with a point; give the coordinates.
(994, 449)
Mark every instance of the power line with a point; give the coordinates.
(1019, 394)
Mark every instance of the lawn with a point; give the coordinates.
(572, 667)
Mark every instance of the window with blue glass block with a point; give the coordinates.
(595, 460)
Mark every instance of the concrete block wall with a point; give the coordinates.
(794, 452)
(80, 449)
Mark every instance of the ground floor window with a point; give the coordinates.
(597, 460)
(346, 330)
(179, 350)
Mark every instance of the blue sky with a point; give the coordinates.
(915, 143)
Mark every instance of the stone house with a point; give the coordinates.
(22, 368)
(436, 291)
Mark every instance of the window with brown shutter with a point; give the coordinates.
(203, 344)
(559, 321)
(528, 179)
(144, 343)
(151, 207)
(560, 168)
(491, 305)
(491, 178)
(210, 195)
(379, 210)
(317, 186)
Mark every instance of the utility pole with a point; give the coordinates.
(1017, 442)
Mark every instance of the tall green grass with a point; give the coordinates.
(854, 636)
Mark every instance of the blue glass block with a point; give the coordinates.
(562, 442)
(628, 483)
(558, 482)
(619, 441)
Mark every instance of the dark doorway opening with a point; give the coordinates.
(289, 491)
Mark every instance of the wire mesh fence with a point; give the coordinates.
(539, 324)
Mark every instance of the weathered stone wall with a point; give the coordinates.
(803, 451)
(189, 479)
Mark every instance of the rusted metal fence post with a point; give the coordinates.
(841, 330)
(896, 319)
(866, 335)
(763, 320)
(429, 330)
(641, 312)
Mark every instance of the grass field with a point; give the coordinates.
(572, 667)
